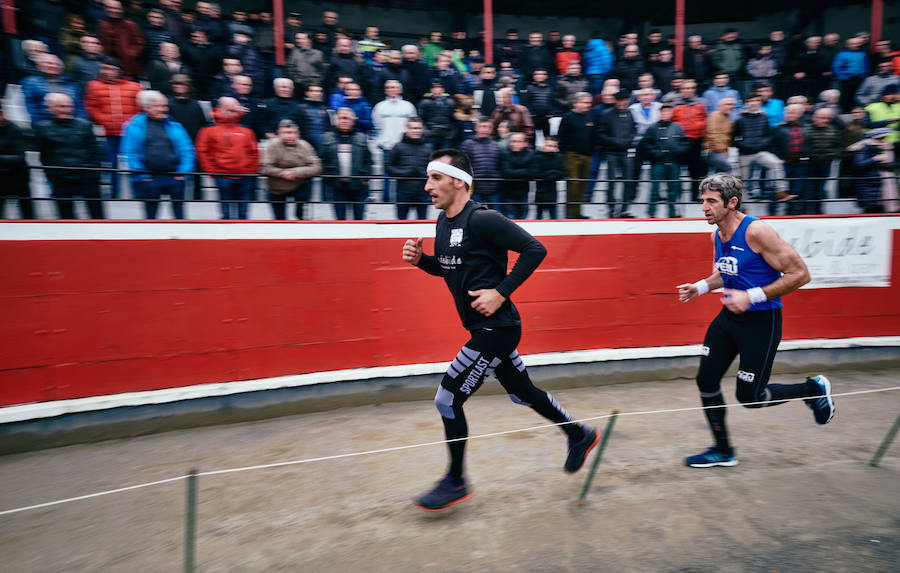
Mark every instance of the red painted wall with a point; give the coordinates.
(92, 317)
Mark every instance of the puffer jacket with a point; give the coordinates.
(664, 143)
(110, 105)
(437, 116)
(690, 114)
(485, 156)
(227, 147)
(538, 99)
(752, 133)
(519, 168)
(69, 143)
(409, 158)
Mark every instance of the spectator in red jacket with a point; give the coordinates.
(122, 39)
(110, 101)
(227, 147)
(690, 114)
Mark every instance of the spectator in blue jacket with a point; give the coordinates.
(850, 67)
(50, 80)
(598, 62)
(720, 90)
(159, 146)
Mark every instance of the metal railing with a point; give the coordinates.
(613, 188)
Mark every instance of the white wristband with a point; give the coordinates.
(757, 295)
(702, 287)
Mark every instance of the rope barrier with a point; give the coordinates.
(411, 446)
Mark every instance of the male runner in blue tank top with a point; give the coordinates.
(471, 247)
(756, 267)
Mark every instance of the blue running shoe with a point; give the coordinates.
(823, 406)
(578, 451)
(711, 458)
(446, 493)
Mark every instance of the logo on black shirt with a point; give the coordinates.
(456, 237)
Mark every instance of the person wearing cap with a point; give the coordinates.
(471, 251)
(875, 161)
(111, 100)
(227, 147)
(886, 113)
(241, 47)
(293, 25)
(616, 133)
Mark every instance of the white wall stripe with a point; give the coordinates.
(35, 411)
(156, 230)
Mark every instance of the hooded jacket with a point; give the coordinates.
(227, 147)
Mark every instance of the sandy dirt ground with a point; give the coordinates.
(802, 499)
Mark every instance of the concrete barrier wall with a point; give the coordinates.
(105, 308)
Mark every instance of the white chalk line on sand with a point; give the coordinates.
(411, 446)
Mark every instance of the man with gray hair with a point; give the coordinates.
(756, 267)
(158, 151)
(281, 106)
(49, 80)
(67, 141)
(346, 158)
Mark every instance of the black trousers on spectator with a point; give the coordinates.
(620, 166)
(697, 167)
(848, 93)
(279, 202)
(16, 187)
(66, 190)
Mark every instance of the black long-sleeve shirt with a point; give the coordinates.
(471, 253)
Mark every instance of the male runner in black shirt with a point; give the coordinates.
(472, 243)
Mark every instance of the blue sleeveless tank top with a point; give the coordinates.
(742, 268)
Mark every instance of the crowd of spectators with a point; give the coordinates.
(173, 90)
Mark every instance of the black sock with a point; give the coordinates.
(806, 389)
(716, 419)
(453, 429)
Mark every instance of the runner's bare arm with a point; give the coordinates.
(781, 256)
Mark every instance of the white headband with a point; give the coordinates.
(448, 169)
